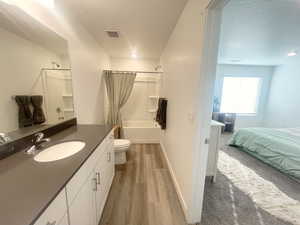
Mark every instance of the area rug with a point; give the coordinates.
(265, 195)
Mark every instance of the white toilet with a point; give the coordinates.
(121, 146)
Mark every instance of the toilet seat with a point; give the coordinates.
(121, 144)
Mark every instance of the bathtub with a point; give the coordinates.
(141, 131)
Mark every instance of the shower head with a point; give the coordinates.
(157, 67)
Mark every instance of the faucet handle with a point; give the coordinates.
(39, 136)
(4, 138)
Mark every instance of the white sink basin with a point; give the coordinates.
(59, 151)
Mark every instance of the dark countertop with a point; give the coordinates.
(27, 187)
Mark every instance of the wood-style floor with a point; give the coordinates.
(142, 192)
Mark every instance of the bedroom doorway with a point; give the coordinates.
(255, 152)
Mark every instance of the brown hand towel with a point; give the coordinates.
(38, 113)
(25, 114)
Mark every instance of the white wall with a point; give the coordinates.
(283, 107)
(182, 85)
(134, 64)
(264, 72)
(88, 59)
(20, 63)
(139, 104)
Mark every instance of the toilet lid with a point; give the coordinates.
(121, 143)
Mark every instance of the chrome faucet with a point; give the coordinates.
(37, 143)
(4, 138)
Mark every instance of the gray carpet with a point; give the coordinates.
(227, 203)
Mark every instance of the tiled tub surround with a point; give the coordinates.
(36, 193)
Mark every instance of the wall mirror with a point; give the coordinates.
(36, 80)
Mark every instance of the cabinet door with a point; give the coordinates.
(110, 161)
(100, 175)
(82, 210)
(64, 221)
(111, 153)
(55, 211)
(104, 172)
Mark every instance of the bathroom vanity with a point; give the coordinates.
(69, 191)
(68, 184)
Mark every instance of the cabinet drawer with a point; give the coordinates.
(55, 211)
(75, 184)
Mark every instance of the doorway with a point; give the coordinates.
(212, 22)
(255, 91)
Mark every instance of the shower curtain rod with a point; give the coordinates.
(124, 71)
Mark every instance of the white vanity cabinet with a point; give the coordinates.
(64, 221)
(104, 171)
(82, 210)
(87, 191)
(56, 213)
(82, 201)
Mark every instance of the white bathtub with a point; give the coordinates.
(141, 131)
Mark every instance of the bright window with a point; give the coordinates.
(240, 95)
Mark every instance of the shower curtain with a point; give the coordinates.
(119, 87)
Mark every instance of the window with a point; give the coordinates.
(240, 95)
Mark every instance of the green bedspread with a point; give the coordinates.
(280, 148)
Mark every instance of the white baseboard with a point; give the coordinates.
(175, 182)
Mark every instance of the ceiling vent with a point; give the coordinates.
(113, 33)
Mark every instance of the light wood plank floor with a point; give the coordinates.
(142, 192)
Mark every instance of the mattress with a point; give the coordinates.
(279, 148)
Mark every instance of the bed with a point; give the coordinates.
(279, 148)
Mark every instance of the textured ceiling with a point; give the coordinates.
(145, 25)
(259, 32)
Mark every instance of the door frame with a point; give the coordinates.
(212, 16)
